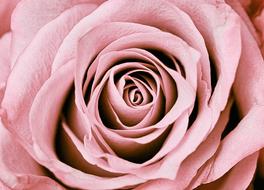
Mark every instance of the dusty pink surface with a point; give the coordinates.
(130, 94)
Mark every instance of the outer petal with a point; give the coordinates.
(18, 169)
(251, 68)
(24, 28)
(238, 7)
(6, 9)
(220, 28)
(4, 57)
(238, 178)
(33, 68)
(4, 61)
(259, 23)
(248, 134)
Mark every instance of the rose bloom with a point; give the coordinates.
(131, 94)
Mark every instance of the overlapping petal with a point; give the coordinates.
(18, 169)
(106, 99)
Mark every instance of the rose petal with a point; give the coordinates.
(6, 9)
(250, 68)
(138, 115)
(77, 120)
(84, 156)
(259, 23)
(4, 61)
(217, 21)
(236, 5)
(43, 124)
(33, 68)
(24, 29)
(171, 141)
(4, 187)
(252, 15)
(205, 150)
(18, 169)
(247, 134)
(4, 57)
(239, 177)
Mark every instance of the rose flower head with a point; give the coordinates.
(131, 94)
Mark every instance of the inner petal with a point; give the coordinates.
(133, 96)
(110, 98)
(138, 94)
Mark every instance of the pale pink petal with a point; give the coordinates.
(217, 21)
(250, 68)
(6, 9)
(3, 186)
(253, 15)
(77, 120)
(157, 184)
(205, 150)
(4, 61)
(259, 23)
(239, 177)
(84, 155)
(248, 134)
(121, 165)
(33, 68)
(43, 123)
(18, 169)
(24, 28)
(237, 6)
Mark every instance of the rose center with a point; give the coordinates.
(136, 92)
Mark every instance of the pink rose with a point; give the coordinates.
(123, 94)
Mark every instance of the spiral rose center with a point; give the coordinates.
(136, 91)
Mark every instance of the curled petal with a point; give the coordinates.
(239, 177)
(43, 12)
(6, 9)
(4, 61)
(247, 134)
(33, 68)
(18, 169)
(250, 68)
(43, 124)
